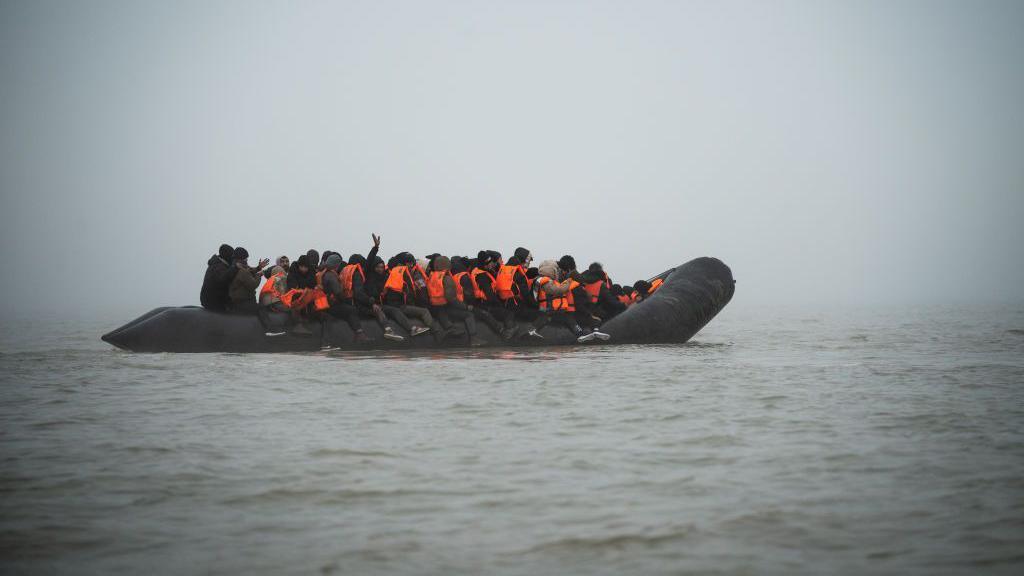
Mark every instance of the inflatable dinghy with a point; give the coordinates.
(692, 294)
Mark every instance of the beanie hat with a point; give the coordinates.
(334, 262)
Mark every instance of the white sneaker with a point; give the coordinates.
(601, 335)
(533, 333)
(390, 335)
(329, 348)
(275, 333)
(417, 330)
(587, 337)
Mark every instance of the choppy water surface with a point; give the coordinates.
(877, 441)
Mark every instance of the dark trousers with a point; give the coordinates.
(445, 315)
(483, 315)
(348, 313)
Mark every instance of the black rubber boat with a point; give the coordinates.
(692, 294)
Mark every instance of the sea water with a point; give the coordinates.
(883, 441)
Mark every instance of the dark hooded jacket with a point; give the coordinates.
(219, 274)
(298, 280)
(374, 283)
(607, 305)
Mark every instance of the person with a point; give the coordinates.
(461, 267)
(283, 262)
(338, 306)
(619, 294)
(655, 284)
(596, 283)
(274, 286)
(301, 293)
(217, 280)
(483, 280)
(514, 288)
(242, 291)
(447, 299)
(400, 293)
(641, 288)
(555, 300)
(583, 312)
(630, 294)
(353, 281)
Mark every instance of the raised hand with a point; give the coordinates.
(376, 240)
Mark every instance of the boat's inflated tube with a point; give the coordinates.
(689, 298)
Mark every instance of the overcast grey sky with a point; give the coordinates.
(827, 151)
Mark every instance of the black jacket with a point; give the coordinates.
(214, 293)
(374, 283)
(299, 280)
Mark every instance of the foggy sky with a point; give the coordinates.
(829, 152)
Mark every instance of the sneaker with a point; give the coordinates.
(534, 334)
(390, 335)
(417, 330)
(272, 334)
(329, 348)
(587, 337)
(601, 335)
(301, 330)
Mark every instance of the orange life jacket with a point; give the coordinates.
(268, 286)
(564, 303)
(594, 290)
(478, 293)
(504, 284)
(458, 285)
(346, 279)
(655, 285)
(397, 278)
(624, 299)
(435, 287)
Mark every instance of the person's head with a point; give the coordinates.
(240, 256)
(616, 290)
(357, 259)
(302, 264)
(641, 287)
(549, 269)
(334, 262)
(326, 255)
(283, 262)
(441, 263)
(225, 252)
(459, 264)
(274, 270)
(566, 263)
(628, 290)
(532, 273)
(408, 259)
(596, 268)
(312, 258)
(521, 257)
(378, 265)
(496, 256)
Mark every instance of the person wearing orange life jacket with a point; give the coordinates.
(620, 295)
(484, 279)
(584, 312)
(401, 292)
(641, 290)
(596, 282)
(339, 307)
(461, 273)
(447, 298)
(274, 286)
(655, 284)
(555, 299)
(514, 288)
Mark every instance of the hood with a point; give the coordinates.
(334, 262)
(225, 251)
(548, 268)
(590, 276)
(442, 263)
(357, 259)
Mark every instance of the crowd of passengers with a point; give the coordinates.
(438, 291)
